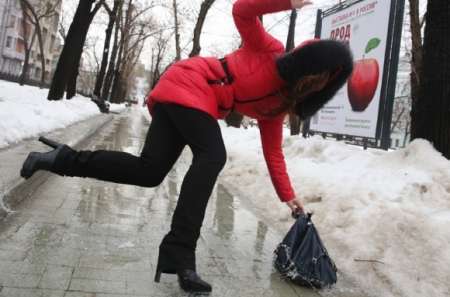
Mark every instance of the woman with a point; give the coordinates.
(257, 80)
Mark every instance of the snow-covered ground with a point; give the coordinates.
(392, 207)
(25, 112)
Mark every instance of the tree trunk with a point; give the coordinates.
(26, 62)
(41, 50)
(117, 81)
(71, 88)
(117, 76)
(290, 42)
(112, 60)
(416, 51)
(26, 5)
(25, 68)
(431, 113)
(294, 120)
(67, 68)
(177, 33)
(108, 35)
(234, 119)
(206, 5)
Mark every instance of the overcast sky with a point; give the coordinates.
(219, 35)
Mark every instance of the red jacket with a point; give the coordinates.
(255, 80)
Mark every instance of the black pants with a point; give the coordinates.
(172, 128)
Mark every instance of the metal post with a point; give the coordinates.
(390, 92)
(306, 123)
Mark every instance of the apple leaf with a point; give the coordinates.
(372, 44)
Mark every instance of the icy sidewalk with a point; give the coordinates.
(13, 188)
(81, 237)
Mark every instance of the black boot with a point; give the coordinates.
(188, 279)
(191, 282)
(43, 161)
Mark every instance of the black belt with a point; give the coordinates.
(228, 79)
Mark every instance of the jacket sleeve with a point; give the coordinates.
(272, 137)
(253, 34)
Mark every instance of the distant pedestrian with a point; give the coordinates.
(257, 80)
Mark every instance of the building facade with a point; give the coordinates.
(14, 34)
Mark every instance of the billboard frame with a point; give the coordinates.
(382, 135)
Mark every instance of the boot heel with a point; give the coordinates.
(49, 142)
(157, 276)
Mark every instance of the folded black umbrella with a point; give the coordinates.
(302, 258)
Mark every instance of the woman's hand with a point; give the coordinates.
(300, 3)
(296, 205)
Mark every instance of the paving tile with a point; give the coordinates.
(56, 277)
(21, 267)
(98, 286)
(17, 292)
(19, 280)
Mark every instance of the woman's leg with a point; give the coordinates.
(163, 146)
(202, 133)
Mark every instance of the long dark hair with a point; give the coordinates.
(316, 58)
(296, 93)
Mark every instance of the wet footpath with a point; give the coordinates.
(78, 237)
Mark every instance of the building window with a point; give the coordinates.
(12, 21)
(44, 35)
(9, 42)
(20, 46)
(52, 43)
(55, 22)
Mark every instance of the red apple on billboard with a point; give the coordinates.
(364, 79)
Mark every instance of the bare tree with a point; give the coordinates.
(112, 14)
(112, 61)
(158, 52)
(66, 73)
(204, 8)
(135, 30)
(35, 14)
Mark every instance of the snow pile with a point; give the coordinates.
(25, 112)
(390, 208)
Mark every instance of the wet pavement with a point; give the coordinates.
(78, 237)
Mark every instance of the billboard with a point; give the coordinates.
(361, 106)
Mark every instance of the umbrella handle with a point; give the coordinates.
(297, 214)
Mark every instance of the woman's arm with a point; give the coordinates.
(253, 34)
(271, 138)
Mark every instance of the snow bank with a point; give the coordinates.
(392, 207)
(25, 112)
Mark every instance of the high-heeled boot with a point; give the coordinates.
(188, 278)
(44, 161)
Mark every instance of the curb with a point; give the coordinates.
(15, 189)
